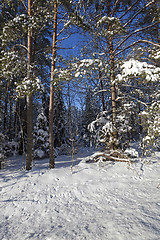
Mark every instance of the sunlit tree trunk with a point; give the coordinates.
(52, 89)
(29, 98)
(112, 81)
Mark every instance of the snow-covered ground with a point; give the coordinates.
(116, 201)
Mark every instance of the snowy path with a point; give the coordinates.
(113, 202)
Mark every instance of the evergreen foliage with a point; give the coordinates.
(116, 77)
(41, 137)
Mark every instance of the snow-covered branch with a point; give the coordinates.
(22, 46)
(137, 100)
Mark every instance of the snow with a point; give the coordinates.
(114, 202)
(136, 68)
(40, 153)
(77, 74)
(131, 152)
(105, 19)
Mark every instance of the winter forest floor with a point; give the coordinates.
(116, 201)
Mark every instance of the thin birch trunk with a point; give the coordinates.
(52, 89)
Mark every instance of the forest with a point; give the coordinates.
(79, 71)
(79, 119)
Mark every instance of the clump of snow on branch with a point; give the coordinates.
(136, 68)
(131, 152)
(155, 54)
(28, 86)
(114, 23)
(79, 69)
(15, 27)
(106, 19)
(13, 65)
(82, 67)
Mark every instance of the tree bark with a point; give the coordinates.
(10, 131)
(102, 88)
(5, 112)
(112, 81)
(29, 98)
(52, 89)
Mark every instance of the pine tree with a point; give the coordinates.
(41, 137)
(113, 26)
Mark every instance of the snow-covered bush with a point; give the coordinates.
(7, 148)
(10, 148)
(102, 130)
(151, 124)
(41, 137)
(128, 123)
(104, 133)
(88, 116)
(131, 152)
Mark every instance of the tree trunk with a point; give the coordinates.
(113, 89)
(112, 81)
(5, 115)
(102, 88)
(29, 99)
(113, 97)
(52, 89)
(10, 131)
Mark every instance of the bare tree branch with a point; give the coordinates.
(24, 6)
(146, 41)
(61, 19)
(22, 46)
(135, 15)
(139, 41)
(115, 6)
(61, 31)
(129, 9)
(131, 34)
(64, 38)
(33, 3)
